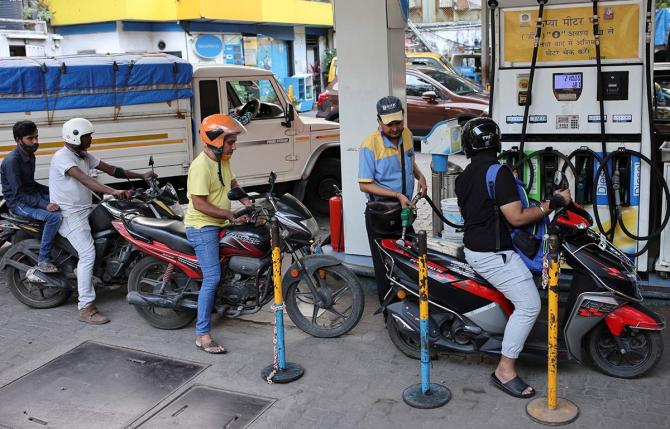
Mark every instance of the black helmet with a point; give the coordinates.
(480, 134)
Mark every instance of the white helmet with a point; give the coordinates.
(75, 128)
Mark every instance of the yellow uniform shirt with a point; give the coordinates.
(203, 179)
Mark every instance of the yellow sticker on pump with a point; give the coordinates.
(567, 33)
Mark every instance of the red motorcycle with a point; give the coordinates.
(603, 319)
(322, 296)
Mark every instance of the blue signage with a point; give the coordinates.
(208, 46)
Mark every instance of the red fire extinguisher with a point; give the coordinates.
(336, 221)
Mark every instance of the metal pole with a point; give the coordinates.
(423, 315)
(280, 371)
(552, 410)
(426, 394)
(552, 332)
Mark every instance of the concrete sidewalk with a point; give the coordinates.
(351, 382)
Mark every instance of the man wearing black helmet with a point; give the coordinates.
(495, 259)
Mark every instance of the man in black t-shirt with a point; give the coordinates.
(493, 257)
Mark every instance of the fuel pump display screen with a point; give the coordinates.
(568, 86)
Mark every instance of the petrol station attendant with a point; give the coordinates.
(380, 177)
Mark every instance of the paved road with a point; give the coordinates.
(351, 382)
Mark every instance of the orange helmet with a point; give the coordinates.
(215, 128)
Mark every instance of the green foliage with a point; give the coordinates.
(330, 54)
(661, 4)
(36, 9)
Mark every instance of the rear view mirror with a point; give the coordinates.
(151, 160)
(237, 194)
(289, 117)
(429, 96)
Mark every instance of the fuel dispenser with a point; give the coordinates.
(571, 92)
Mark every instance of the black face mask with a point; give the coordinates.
(29, 149)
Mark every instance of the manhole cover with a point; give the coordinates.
(92, 385)
(207, 407)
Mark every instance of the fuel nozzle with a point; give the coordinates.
(407, 216)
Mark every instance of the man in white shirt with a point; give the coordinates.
(72, 187)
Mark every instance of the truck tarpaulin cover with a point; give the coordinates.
(76, 82)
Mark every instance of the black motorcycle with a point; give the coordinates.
(114, 257)
(323, 297)
(603, 319)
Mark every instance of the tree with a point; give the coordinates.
(36, 9)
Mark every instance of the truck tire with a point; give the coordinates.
(326, 173)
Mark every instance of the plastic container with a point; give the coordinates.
(450, 210)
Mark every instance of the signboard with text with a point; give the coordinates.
(567, 33)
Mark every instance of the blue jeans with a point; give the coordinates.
(52, 221)
(205, 241)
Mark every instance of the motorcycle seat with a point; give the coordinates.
(14, 218)
(169, 232)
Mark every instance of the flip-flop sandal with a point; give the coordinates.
(514, 387)
(212, 347)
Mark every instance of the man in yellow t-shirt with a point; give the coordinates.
(209, 180)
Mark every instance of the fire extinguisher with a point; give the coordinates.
(336, 221)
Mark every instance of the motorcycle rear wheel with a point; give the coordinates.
(336, 283)
(34, 295)
(144, 276)
(645, 349)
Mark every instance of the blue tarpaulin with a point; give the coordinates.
(662, 26)
(84, 81)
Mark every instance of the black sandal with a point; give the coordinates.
(212, 347)
(514, 387)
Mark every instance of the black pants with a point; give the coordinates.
(383, 283)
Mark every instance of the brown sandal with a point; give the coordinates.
(212, 347)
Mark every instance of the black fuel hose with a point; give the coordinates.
(531, 168)
(527, 158)
(658, 175)
(493, 4)
(438, 212)
(610, 192)
(533, 63)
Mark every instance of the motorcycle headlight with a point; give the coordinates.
(311, 225)
(169, 191)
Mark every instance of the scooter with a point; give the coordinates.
(603, 319)
(323, 297)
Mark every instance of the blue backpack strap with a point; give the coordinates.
(491, 174)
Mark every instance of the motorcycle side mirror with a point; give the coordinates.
(151, 160)
(237, 194)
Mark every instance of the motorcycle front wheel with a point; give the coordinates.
(147, 277)
(642, 351)
(341, 306)
(35, 295)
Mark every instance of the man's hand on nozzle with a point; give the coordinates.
(423, 186)
(560, 199)
(404, 201)
(123, 194)
(53, 207)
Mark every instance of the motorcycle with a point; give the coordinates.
(113, 255)
(603, 319)
(322, 296)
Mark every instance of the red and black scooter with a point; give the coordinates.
(602, 319)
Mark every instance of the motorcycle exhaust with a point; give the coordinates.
(143, 299)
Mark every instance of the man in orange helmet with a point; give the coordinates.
(209, 180)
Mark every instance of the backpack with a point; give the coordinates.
(527, 240)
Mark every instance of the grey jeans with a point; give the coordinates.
(76, 229)
(506, 272)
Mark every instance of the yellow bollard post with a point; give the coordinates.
(280, 371)
(552, 410)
